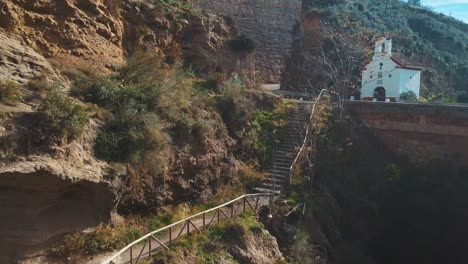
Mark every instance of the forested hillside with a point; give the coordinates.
(436, 41)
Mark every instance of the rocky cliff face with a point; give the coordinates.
(51, 190)
(19, 62)
(270, 23)
(101, 34)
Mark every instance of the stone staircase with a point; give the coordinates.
(286, 151)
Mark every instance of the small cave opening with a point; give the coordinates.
(38, 207)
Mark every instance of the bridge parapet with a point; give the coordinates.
(420, 132)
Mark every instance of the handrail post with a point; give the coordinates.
(149, 247)
(244, 204)
(131, 255)
(188, 227)
(256, 203)
(203, 221)
(170, 235)
(218, 215)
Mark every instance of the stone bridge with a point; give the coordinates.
(419, 132)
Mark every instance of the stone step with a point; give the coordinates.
(285, 154)
(277, 176)
(266, 190)
(298, 119)
(289, 144)
(272, 186)
(290, 140)
(287, 160)
(280, 152)
(285, 148)
(295, 125)
(279, 170)
(281, 167)
(288, 150)
(283, 164)
(293, 139)
(277, 180)
(284, 160)
(294, 130)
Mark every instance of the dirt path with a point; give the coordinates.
(164, 239)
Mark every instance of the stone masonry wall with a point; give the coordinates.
(270, 23)
(419, 132)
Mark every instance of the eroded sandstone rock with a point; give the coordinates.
(19, 62)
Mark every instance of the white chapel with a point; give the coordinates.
(389, 74)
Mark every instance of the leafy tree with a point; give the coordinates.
(339, 59)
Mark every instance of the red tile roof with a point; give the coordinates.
(403, 62)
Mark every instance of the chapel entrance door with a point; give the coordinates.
(380, 94)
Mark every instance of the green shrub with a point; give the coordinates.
(266, 127)
(40, 84)
(462, 97)
(242, 44)
(128, 137)
(257, 228)
(408, 96)
(61, 118)
(160, 87)
(249, 176)
(146, 91)
(172, 6)
(10, 92)
(392, 172)
(228, 232)
(103, 239)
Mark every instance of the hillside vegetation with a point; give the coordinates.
(151, 100)
(437, 42)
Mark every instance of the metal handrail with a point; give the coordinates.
(186, 221)
(304, 144)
